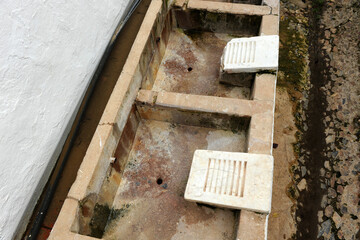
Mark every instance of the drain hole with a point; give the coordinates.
(189, 69)
(159, 181)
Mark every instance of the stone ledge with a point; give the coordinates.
(180, 3)
(64, 227)
(274, 4)
(201, 103)
(233, 8)
(260, 135)
(95, 162)
(264, 87)
(269, 25)
(131, 71)
(252, 226)
(147, 97)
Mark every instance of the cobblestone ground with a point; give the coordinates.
(320, 68)
(339, 218)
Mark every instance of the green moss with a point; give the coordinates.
(119, 213)
(317, 7)
(211, 17)
(233, 35)
(207, 122)
(194, 35)
(99, 220)
(292, 192)
(237, 123)
(293, 53)
(296, 147)
(293, 67)
(102, 215)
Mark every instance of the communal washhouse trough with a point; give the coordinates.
(169, 101)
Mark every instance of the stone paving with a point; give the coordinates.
(338, 178)
(341, 25)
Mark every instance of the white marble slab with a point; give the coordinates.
(251, 54)
(231, 179)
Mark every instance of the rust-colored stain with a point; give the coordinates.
(191, 65)
(44, 233)
(154, 182)
(126, 141)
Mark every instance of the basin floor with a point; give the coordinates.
(149, 203)
(191, 65)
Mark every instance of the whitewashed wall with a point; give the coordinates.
(48, 53)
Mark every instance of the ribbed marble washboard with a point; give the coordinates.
(233, 180)
(251, 54)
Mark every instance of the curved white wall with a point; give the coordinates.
(48, 53)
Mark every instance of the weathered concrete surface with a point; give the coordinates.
(281, 220)
(269, 25)
(151, 193)
(191, 65)
(264, 87)
(253, 226)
